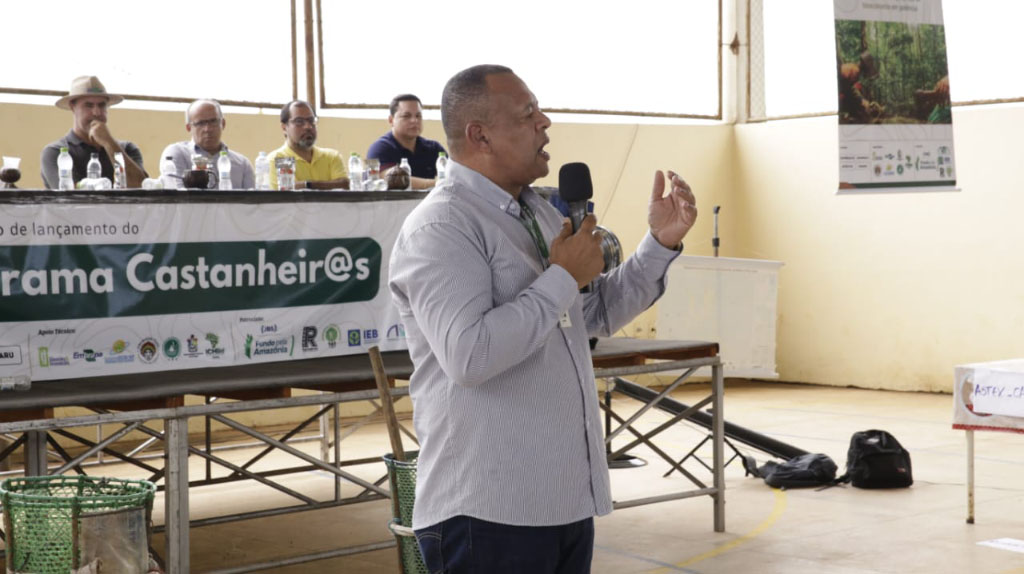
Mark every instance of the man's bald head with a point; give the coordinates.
(465, 100)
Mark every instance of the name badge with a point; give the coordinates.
(564, 321)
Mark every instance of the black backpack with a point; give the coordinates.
(798, 472)
(877, 460)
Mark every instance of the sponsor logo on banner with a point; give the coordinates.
(213, 350)
(331, 335)
(309, 338)
(181, 278)
(149, 350)
(48, 360)
(396, 331)
(370, 336)
(172, 348)
(354, 338)
(261, 347)
(192, 346)
(118, 353)
(89, 355)
(10, 355)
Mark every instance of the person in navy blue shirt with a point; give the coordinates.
(404, 140)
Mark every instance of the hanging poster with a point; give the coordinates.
(895, 121)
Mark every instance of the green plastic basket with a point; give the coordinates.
(43, 516)
(402, 476)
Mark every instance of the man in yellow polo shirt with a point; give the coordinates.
(315, 167)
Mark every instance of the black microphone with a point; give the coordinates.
(576, 189)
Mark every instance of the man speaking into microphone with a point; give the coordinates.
(487, 276)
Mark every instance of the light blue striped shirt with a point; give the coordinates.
(504, 400)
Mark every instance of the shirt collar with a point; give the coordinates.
(489, 191)
(288, 151)
(394, 141)
(73, 139)
(196, 149)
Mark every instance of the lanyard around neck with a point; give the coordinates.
(529, 221)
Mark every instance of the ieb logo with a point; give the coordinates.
(354, 338)
(44, 356)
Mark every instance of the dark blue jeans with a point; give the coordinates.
(465, 545)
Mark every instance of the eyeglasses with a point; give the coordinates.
(299, 122)
(206, 123)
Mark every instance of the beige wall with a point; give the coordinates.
(887, 290)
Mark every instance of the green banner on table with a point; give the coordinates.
(92, 289)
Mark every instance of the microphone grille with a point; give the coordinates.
(574, 182)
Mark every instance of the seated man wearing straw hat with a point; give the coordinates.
(88, 101)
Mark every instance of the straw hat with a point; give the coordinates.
(87, 86)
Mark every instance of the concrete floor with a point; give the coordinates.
(840, 530)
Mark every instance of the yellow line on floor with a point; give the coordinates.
(776, 513)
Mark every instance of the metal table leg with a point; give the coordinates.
(176, 496)
(970, 477)
(35, 453)
(718, 449)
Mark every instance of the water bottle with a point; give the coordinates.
(167, 172)
(262, 172)
(94, 170)
(442, 167)
(355, 172)
(120, 178)
(65, 164)
(224, 170)
(404, 166)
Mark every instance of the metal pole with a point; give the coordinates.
(718, 447)
(970, 477)
(35, 453)
(176, 496)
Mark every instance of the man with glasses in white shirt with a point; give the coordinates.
(205, 122)
(315, 167)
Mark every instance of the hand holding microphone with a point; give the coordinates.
(579, 253)
(577, 248)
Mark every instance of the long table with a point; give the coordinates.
(131, 400)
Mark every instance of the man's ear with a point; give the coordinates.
(391, 120)
(476, 135)
(188, 127)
